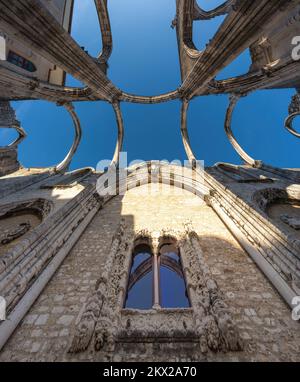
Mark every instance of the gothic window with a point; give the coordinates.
(20, 61)
(156, 278)
(173, 291)
(140, 284)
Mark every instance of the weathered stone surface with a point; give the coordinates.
(68, 251)
(262, 318)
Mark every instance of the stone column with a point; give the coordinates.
(156, 292)
(156, 271)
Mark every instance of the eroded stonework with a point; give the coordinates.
(261, 319)
(66, 251)
(208, 322)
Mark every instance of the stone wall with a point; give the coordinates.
(263, 320)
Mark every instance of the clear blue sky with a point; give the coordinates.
(145, 61)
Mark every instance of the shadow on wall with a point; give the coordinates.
(261, 207)
(256, 308)
(39, 225)
(251, 300)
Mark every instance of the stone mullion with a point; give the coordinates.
(156, 283)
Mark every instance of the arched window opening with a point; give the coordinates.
(172, 283)
(156, 279)
(140, 283)
(21, 62)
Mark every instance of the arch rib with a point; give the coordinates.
(185, 134)
(104, 21)
(63, 166)
(223, 9)
(126, 97)
(294, 111)
(234, 98)
(119, 145)
(289, 124)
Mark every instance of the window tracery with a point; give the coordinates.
(156, 278)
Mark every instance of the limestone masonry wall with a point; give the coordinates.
(263, 319)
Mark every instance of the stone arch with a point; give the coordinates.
(18, 219)
(181, 177)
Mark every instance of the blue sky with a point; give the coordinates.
(145, 61)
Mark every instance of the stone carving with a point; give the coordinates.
(8, 155)
(16, 233)
(23, 263)
(213, 320)
(295, 104)
(40, 207)
(103, 300)
(292, 221)
(7, 115)
(8, 161)
(8, 120)
(272, 244)
(262, 52)
(267, 196)
(209, 321)
(156, 324)
(294, 111)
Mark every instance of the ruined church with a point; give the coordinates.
(206, 266)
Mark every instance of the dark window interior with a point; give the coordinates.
(170, 282)
(20, 61)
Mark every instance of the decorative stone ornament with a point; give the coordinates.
(208, 321)
(8, 120)
(294, 111)
(8, 155)
(16, 233)
(7, 115)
